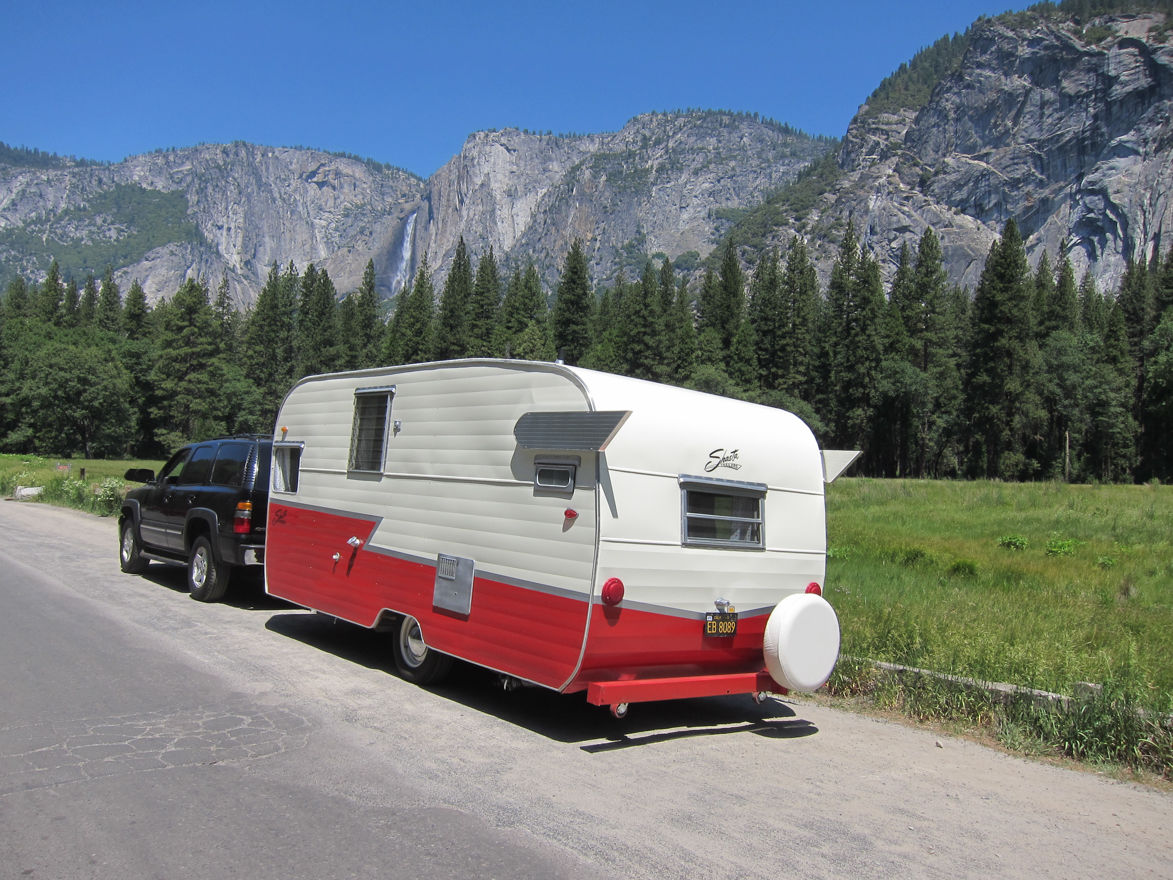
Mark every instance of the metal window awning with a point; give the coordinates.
(572, 431)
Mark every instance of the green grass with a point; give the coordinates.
(1040, 585)
(93, 485)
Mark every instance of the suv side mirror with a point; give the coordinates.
(139, 475)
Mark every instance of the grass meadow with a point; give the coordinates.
(1040, 585)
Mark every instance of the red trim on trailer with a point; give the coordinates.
(609, 693)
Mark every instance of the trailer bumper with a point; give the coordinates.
(642, 690)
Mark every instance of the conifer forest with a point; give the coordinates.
(1033, 375)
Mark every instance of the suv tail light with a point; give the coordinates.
(242, 520)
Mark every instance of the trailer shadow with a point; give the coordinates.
(564, 718)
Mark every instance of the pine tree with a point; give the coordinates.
(109, 317)
(682, 329)
(317, 332)
(368, 329)
(937, 355)
(188, 373)
(607, 352)
(16, 299)
(797, 374)
(524, 314)
(484, 307)
(71, 305)
(410, 333)
(854, 301)
(1004, 410)
(268, 339)
(453, 338)
(1109, 448)
(135, 311)
(641, 340)
(572, 307)
(723, 303)
(51, 296)
(769, 320)
(87, 308)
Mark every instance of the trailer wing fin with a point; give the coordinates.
(836, 461)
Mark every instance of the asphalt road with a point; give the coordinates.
(145, 735)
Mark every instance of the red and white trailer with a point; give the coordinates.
(568, 528)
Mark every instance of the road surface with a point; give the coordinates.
(144, 735)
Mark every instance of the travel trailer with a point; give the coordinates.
(567, 528)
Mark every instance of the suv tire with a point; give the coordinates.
(130, 555)
(207, 576)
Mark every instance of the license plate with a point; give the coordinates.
(720, 623)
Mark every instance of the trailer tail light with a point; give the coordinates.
(612, 591)
(242, 519)
(812, 587)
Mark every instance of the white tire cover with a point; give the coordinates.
(801, 643)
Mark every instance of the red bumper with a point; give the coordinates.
(642, 690)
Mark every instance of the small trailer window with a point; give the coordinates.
(719, 513)
(368, 438)
(287, 461)
(555, 476)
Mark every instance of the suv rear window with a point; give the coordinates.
(231, 463)
(200, 466)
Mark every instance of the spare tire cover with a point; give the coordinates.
(801, 643)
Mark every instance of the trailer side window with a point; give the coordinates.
(720, 513)
(555, 476)
(287, 466)
(368, 437)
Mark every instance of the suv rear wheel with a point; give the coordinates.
(207, 576)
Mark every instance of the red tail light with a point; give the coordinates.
(812, 587)
(242, 520)
(612, 591)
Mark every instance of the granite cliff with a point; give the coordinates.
(1065, 126)
(665, 182)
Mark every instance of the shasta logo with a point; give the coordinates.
(719, 458)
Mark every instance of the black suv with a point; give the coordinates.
(206, 509)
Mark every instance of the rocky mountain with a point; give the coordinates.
(665, 183)
(1065, 126)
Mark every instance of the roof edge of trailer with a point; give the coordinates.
(571, 373)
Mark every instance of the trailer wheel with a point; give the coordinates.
(415, 661)
(130, 555)
(207, 576)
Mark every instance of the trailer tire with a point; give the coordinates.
(415, 661)
(130, 555)
(207, 576)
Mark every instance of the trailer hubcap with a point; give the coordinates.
(412, 647)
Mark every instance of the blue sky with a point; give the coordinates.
(406, 83)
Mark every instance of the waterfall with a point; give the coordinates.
(402, 265)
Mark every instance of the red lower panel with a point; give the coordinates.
(527, 633)
(626, 644)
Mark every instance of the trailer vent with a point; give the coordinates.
(453, 588)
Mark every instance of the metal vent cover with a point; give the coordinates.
(453, 587)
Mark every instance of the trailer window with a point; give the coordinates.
(368, 438)
(717, 513)
(555, 476)
(287, 470)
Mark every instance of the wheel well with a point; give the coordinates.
(195, 529)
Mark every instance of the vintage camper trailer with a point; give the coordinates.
(568, 528)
